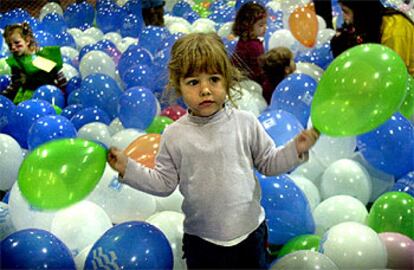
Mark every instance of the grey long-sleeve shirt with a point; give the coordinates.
(213, 160)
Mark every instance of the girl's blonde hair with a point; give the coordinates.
(197, 53)
(246, 17)
(25, 32)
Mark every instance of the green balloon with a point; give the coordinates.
(60, 173)
(407, 108)
(301, 242)
(58, 110)
(159, 124)
(393, 212)
(359, 91)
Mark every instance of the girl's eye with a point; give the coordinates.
(192, 82)
(215, 79)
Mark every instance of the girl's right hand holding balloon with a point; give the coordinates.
(117, 160)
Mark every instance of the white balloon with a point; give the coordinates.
(351, 245)
(94, 33)
(6, 224)
(283, 38)
(75, 32)
(309, 69)
(97, 132)
(69, 71)
(69, 52)
(97, 62)
(170, 203)
(330, 149)
(321, 23)
(346, 177)
(312, 170)
(336, 210)
(115, 126)
(50, 7)
(178, 27)
(325, 35)
(203, 25)
(309, 188)
(125, 43)
(110, 194)
(248, 100)
(81, 257)
(304, 260)
(125, 137)
(80, 225)
(83, 40)
(171, 224)
(113, 36)
(225, 30)
(24, 216)
(11, 159)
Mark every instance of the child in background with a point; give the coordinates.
(249, 26)
(153, 12)
(30, 65)
(276, 64)
(212, 153)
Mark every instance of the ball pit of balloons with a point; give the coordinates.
(350, 206)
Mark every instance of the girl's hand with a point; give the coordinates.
(306, 139)
(117, 160)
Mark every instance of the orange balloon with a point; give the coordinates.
(303, 24)
(144, 149)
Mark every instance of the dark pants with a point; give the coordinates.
(252, 253)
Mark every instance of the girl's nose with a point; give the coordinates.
(205, 89)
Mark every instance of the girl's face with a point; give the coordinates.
(204, 93)
(18, 45)
(259, 27)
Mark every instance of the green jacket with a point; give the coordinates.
(22, 66)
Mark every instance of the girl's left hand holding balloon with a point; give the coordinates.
(117, 160)
(306, 139)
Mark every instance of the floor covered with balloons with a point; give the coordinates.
(350, 206)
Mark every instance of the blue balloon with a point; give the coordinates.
(89, 115)
(54, 23)
(109, 19)
(5, 80)
(131, 245)
(102, 91)
(294, 94)
(133, 7)
(73, 97)
(230, 46)
(35, 249)
(71, 110)
(191, 16)
(288, 213)
(181, 8)
(78, 15)
(48, 128)
(405, 184)
(280, 125)
(6, 109)
(137, 108)
(153, 37)
(131, 26)
(321, 56)
(6, 197)
(73, 84)
(109, 48)
(51, 94)
(65, 39)
(390, 147)
(139, 75)
(25, 114)
(44, 39)
(134, 55)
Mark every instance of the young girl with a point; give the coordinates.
(30, 65)
(277, 63)
(212, 153)
(249, 26)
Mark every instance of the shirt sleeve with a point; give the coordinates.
(160, 181)
(271, 160)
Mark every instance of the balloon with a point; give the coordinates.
(287, 210)
(359, 91)
(330, 149)
(405, 184)
(400, 250)
(144, 149)
(6, 224)
(351, 245)
(62, 172)
(390, 147)
(301, 242)
(336, 210)
(303, 24)
(97, 62)
(125, 137)
(310, 69)
(304, 260)
(159, 124)
(48, 128)
(137, 108)
(346, 177)
(89, 115)
(174, 112)
(407, 107)
(6, 109)
(71, 110)
(393, 212)
(35, 249)
(131, 245)
(80, 225)
(309, 189)
(97, 132)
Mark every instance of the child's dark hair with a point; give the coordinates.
(197, 53)
(246, 17)
(274, 63)
(24, 30)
